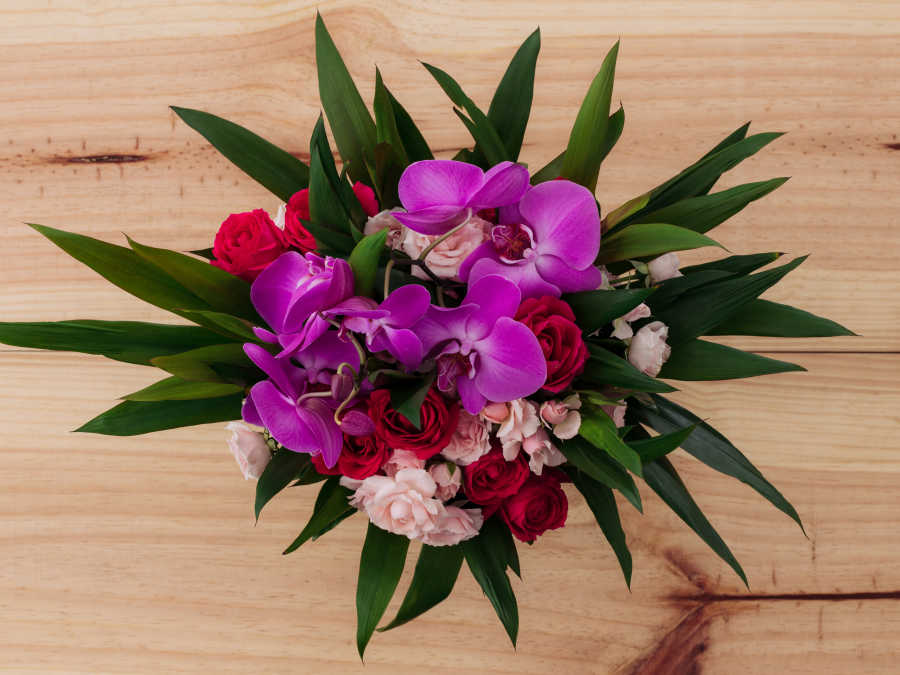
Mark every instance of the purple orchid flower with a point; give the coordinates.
(480, 350)
(439, 194)
(546, 244)
(298, 417)
(387, 327)
(291, 293)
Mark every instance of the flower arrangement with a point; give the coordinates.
(453, 347)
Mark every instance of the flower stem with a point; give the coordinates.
(443, 237)
(387, 277)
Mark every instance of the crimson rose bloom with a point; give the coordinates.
(539, 505)
(491, 479)
(294, 233)
(553, 322)
(361, 457)
(246, 243)
(438, 416)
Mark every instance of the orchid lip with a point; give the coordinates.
(514, 242)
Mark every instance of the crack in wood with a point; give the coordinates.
(113, 158)
(892, 146)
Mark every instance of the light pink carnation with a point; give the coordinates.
(444, 260)
(404, 504)
(648, 350)
(249, 449)
(563, 416)
(402, 459)
(542, 452)
(622, 326)
(470, 441)
(664, 267)
(616, 412)
(521, 421)
(454, 526)
(448, 478)
(385, 220)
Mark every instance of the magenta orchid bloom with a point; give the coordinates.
(298, 418)
(480, 350)
(546, 244)
(291, 294)
(439, 194)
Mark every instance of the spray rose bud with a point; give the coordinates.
(249, 448)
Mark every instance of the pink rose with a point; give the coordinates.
(249, 448)
(471, 440)
(616, 412)
(664, 267)
(404, 504)
(454, 526)
(402, 459)
(444, 260)
(448, 478)
(563, 416)
(382, 221)
(520, 422)
(621, 326)
(648, 350)
(542, 452)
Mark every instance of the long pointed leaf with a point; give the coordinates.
(330, 509)
(651, 449)
(599, 466)
(702, 360)
(771, 319)
(176, 389)
(489, 570)
(606, 369)
(602, 503)
(595, 309)
(380, 567)
(436, 572)
(281, 470)
(648, 239)
(511, 104)
(132, 418)
(416, 147)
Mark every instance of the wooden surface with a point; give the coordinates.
(139, 555)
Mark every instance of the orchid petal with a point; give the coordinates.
(565, 221)
(274, 288)
(357, 423)
(278, 414)
(277, 369)
(438, 182)
(485, 250)
(406, 305)
(326, 354)
(504, 184)
(511, 364)
(495, 296)
(434, 219)
(265, 335)
(569, 280)
(324, 435)
(472, 399)
(249, 413)
(524, 275)
(403, 344)
(442, 323)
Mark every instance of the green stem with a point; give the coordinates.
(443, 237)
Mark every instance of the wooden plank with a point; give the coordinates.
(139, 554)
(99, 152)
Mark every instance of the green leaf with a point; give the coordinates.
(590, 131)
(511, 104)
(649, 239)
(407, 397)
(703, 213)
(598, 465)
(550, 171)
(651, 449)
(735, 264)
(380, 567)
(614, 130)
(325, 205)
(626, 210)
(364, 262)
(281, 470)
(128, 341)
(553, 168)
(275, 169)
(702, 309)
(176, 389)
(436, 572)
(350, 121)
(229, 325)
(664, 480)
(713, 449)
(606, 369)
(602, 503)
(702, 360)
(770, 319)
(122, 267)
(223, 292)
(595, 309)
(330, 509)
(507, 550)
(600, 431)
(329, 240)
(489, 570)
(385, 120)
(132, 418)
(482, 129)
(413, 142)
(738, 134)
(201, 364)
(346, 205)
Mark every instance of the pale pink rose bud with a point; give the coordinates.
(445, 258)
(406, 505)
(542, 452)
(249, 448)
(616, 412)
(563, 416)
(622, 326)
(402, 459)
(471, 440)
(664, 267)
(448, 478)
(648, 350)
(383, 220)
(495, 412)
(521, 421)
(454, 526)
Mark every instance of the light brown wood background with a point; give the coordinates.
(139, 555)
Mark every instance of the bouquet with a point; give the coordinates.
(453, 348)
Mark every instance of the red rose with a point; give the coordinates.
(439, 419)
(247, 243)
(361, 457)
(491, 479)
(553, 322)
(297, 209)
(539, 505)
(366, 197)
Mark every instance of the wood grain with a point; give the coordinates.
(139, 554)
